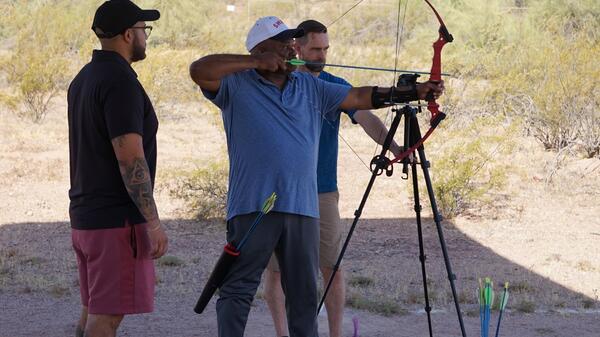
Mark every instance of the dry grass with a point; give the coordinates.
(170, 261)
(525, 306)
(19, 270)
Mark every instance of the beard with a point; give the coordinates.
(139, 50)
(315, 68)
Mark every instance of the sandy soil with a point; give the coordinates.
(542, 237)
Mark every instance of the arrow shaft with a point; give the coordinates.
(368, 68)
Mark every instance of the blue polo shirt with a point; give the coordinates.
(328, 145)
(273, 139)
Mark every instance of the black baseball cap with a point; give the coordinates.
(113, 17)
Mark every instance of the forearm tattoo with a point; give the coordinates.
(136, 176)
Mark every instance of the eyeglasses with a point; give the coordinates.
(147, 30)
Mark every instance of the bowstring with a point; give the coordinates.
(399, 33)
(339, 133)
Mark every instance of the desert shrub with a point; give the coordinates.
(470, 168)
(561, 106)
(375, 304)
(170, 261)
(42, 60)
(360, 281)
(204, 191)
(538, 54)
(570, 115)
(525, 306)
(588, 131)
(9, 101)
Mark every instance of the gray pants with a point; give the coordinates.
(295, 240)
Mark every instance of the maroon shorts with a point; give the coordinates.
(116, 272)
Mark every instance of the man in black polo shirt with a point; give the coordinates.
(116, 231)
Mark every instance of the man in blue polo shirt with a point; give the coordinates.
(273, 118)
(313, 47)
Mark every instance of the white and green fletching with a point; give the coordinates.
(504, 297)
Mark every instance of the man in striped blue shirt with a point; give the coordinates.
(313, 47)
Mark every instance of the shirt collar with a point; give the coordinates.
(291, 77)
(112, 56)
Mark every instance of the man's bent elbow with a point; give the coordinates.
(196, 71)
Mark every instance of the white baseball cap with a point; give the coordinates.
(269, 27)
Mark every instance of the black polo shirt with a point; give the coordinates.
(105, 100)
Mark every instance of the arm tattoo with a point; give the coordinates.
(136, 176)
(120, 141)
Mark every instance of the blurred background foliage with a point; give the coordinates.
(530, 67)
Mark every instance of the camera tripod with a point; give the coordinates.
(380, 164)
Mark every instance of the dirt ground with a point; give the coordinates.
(543, 237)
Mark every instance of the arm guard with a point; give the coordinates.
(389, 96)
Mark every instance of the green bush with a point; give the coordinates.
(204, 191)
(42, 61)
(470, 168)
(534, 61)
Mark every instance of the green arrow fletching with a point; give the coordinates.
(269, 203)
(296, 62)
(481, 294)
(489, 292)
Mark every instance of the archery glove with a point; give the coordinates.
(389, 96)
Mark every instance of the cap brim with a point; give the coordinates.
(149, 15)
(289, 34)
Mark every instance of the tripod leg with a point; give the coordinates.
(422, 257)
(357, 215)
(378, 165)
(438, 219)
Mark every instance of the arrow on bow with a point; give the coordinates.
(298, 62)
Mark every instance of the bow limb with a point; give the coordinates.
(436, 65)
(435, 77)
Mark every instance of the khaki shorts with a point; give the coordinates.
(331, 240)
